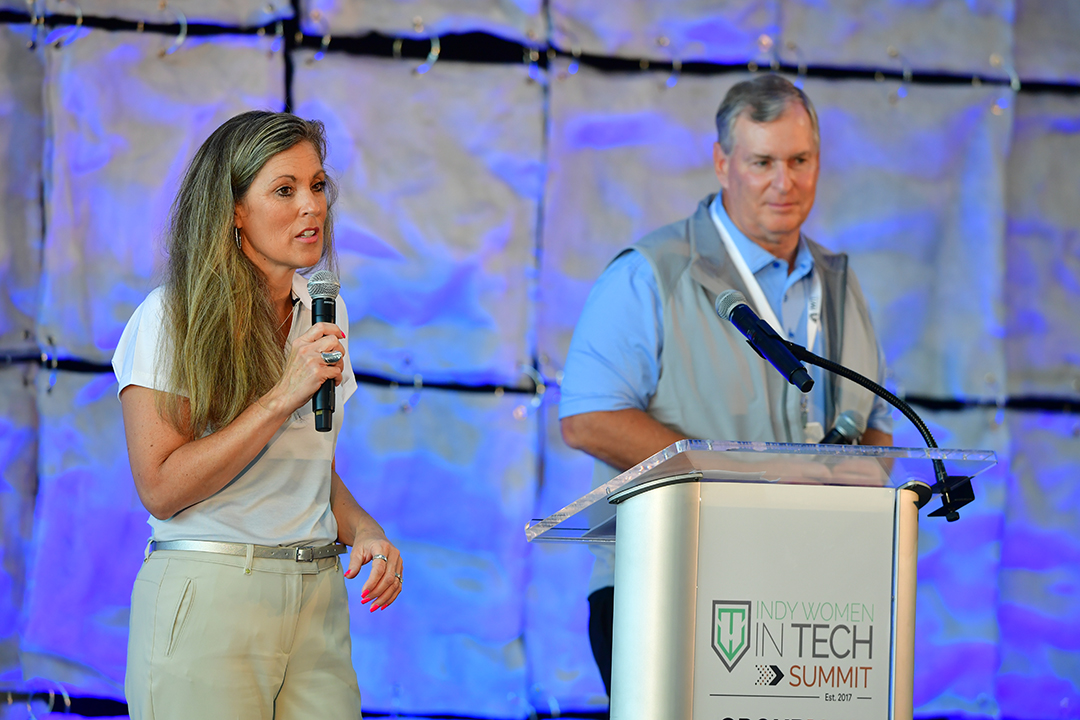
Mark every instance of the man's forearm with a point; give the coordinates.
(621, 438)
(876, 437)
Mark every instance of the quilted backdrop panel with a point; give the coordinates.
(214, 12)
(440, 178)
(1045, 35)
(1042, 276)
(1039, 592)
(520, 20)
(676, 29)
(913, 188)
(556, 604)
(627, 154)
(124, 123)
(22, 142)
(89, 533)
(952, 37)
(18, 491)
(452, 479)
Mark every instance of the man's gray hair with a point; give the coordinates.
(764, 99)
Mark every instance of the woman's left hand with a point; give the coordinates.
(385, 578)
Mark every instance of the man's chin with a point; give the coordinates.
(782, 223)
(780, 229)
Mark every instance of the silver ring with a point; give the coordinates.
(332, 357)
(379, 557)
(398, 576)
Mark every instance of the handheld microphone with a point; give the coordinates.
(731, 305)
(849, 428)
(323, 288)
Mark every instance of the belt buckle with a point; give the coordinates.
(305, 554)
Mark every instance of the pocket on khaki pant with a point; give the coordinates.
(180, 615)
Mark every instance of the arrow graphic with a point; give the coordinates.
(779, 675)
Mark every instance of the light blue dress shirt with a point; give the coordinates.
(614, 357)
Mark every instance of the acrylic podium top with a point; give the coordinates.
(591, 518)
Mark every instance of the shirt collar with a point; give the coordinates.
(804, 261)
(757, 258)
(299, 289)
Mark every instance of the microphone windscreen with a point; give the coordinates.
(726, 302)
(323, 285)
(850, 424)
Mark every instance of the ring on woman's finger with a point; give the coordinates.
(398, 576)
(331, 357)
(380, 557)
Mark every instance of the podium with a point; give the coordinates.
(762, 580)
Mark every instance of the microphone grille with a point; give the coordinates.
(850, 424)
(726, 302)
(323, 285)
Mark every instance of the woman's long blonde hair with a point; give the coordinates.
(220, 326)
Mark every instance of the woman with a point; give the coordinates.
(217, 369)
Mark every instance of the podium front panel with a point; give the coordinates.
(750, 600)
(794, 602)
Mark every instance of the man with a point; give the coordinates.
(651, 363)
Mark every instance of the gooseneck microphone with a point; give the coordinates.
(323, 288)
(849, 428)
(731, 305)
(955, 490)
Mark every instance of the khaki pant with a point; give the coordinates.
(211, 640)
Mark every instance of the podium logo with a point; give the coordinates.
(730, 630)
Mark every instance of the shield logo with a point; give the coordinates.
(730, 630)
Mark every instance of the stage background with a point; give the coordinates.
(482, 194)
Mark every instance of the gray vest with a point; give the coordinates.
(712, 384)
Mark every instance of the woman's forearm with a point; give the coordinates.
(352, 520)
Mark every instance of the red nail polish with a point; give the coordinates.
(364, 594)
(374, 608)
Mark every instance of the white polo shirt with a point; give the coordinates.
(283, 496)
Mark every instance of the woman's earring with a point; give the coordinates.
(236, 234)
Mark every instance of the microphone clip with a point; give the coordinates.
(956, 492)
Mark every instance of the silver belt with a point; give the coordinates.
(299, 554)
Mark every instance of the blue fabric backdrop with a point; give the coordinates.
(479, 203)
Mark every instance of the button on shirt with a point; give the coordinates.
(614, 357)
